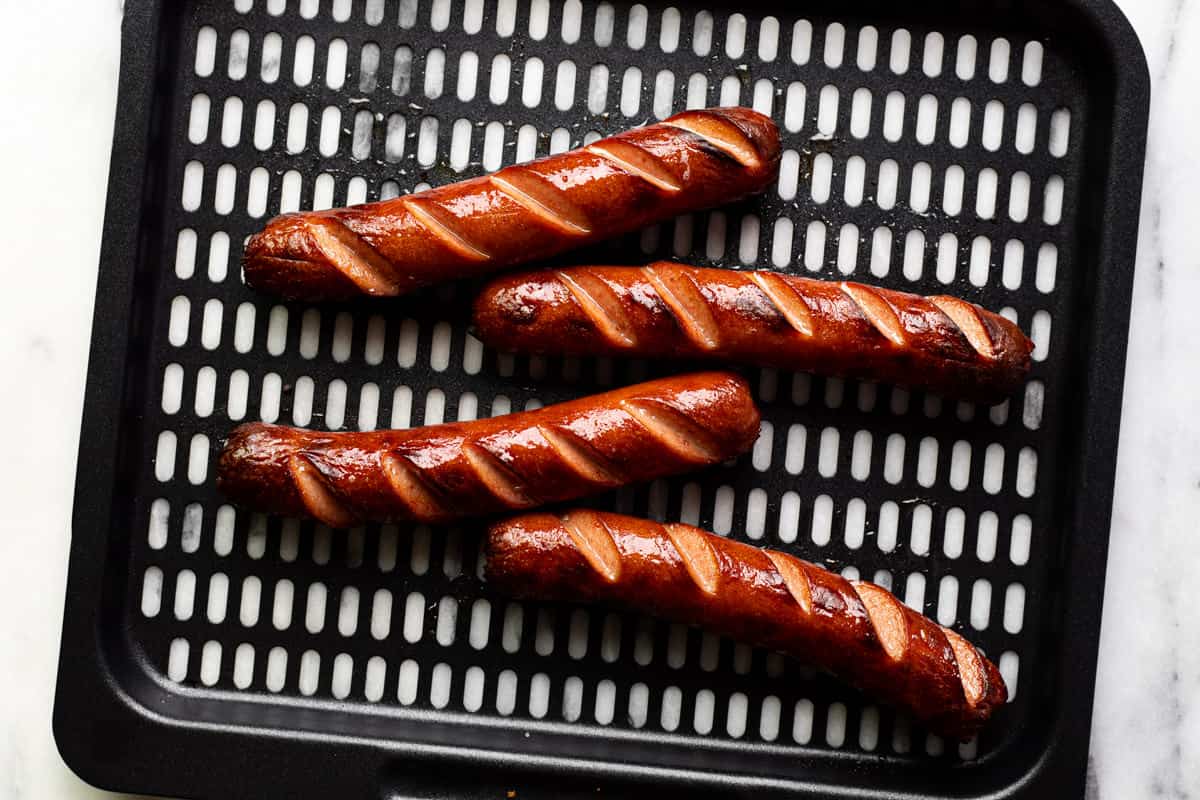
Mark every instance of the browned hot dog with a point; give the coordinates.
(693, 160)
(856, 630)
(940, 343)
(441, 472)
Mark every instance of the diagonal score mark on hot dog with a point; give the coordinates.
(692, 161)
(595, 535)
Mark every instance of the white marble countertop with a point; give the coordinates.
(1146, 732)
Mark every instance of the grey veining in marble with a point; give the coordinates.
(1146, 727)
(1146, 733)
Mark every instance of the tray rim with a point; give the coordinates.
(175, 756)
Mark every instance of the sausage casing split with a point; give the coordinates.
(442, 472)
(691, 161)
(855, 630)
(942, 344)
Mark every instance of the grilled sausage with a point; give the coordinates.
(856, 630)
(691, 161)
(442, 472)
(940, 343)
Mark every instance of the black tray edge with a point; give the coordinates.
(163, 755)
(1064, 763)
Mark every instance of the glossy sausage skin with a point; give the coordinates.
(691, 161)
(942, 344)
(443, 472)
(855, 630)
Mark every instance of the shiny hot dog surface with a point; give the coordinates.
(691, 161)
(666, 309)
(856, 630)
(443, 472)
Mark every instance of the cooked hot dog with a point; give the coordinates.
(856, 630)
(939, 343)
(691, 161)
(516, 461)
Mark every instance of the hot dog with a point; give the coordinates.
(855, 630)
(939, 343)
(691, 161)
(443, 472)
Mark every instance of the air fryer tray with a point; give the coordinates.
(991, 150)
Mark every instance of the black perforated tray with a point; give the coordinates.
(208, 651)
